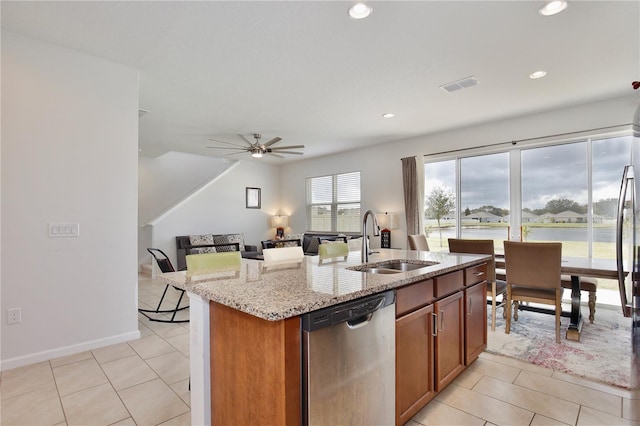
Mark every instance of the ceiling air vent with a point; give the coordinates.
(460, 84)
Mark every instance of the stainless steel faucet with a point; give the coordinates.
(365, 240)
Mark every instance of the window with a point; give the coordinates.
(333, 203)
(440, 203)
(484, 197)
(482, 200)
(554, 196)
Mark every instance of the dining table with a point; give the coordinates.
(576, 267)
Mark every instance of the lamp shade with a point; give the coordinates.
(279, 221)
(387, 220)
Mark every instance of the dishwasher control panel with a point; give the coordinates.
(346, 311)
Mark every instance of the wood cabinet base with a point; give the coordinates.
(255, 369)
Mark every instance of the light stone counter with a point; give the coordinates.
(279, 290)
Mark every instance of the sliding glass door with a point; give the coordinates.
(561, 192)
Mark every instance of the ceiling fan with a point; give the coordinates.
(258, 149)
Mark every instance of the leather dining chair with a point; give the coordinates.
(418, 242)
(495, 287)
(533, 275)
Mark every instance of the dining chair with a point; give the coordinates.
(533, 275)
(204, 263)
(418, 242)
(165, 266)
(496, 287)
(332, 250)
(282, 253)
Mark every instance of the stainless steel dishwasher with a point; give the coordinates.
(348, 359)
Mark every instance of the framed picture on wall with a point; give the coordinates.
(253, 198)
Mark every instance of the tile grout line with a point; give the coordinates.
(116, 392)
(64, 413)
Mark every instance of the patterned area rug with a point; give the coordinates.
(603, 352)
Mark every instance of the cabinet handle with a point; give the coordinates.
(434, 317)
(441, 314)
(478, 274)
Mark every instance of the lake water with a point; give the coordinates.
(600, 235)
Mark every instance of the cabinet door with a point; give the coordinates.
(414, 363)
(449, 342)
(475, 325)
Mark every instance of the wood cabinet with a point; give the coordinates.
(415, 385)
(449, 343)
(255, 369)
(436, 336)
(475, 324)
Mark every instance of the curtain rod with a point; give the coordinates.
(514, 142)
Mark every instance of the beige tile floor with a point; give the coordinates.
(145, 382)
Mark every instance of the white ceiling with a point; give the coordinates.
(308, 73)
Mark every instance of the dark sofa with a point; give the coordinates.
(311, 240)
(221, 242)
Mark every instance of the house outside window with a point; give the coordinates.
(333, 203)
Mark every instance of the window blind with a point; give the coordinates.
(333, 203)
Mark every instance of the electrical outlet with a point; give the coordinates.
(14, 316)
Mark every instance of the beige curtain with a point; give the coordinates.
(413, 182)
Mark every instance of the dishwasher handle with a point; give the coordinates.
(364, 319)
(356, 313)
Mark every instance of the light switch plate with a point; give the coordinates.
(14, 316)
(57, 230)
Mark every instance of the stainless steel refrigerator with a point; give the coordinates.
(628, 248)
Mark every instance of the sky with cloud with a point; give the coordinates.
(548, 173)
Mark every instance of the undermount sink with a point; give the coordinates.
(393, 266)
(374, 270)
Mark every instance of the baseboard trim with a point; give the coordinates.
(21, 361)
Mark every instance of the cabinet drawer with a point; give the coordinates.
(414, 296)
(475, 274)
(449, 283)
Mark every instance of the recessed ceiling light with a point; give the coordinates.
(537, 74)
(388, 115)
(360, 10)
(552, 7)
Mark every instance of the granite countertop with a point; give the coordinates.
(279, 290)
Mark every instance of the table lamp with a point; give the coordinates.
(387, 222)
(279, 222)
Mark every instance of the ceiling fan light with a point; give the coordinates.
(553, 7)
(256, 154)
(537, 74)
(360, 10)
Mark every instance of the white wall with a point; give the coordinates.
(166, 180)
(163, 181)
(69, 154)
(381, 168)
(219, 208)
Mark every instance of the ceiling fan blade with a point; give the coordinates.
(286, 152)
(241, 149)
(227, 143)
(275, 155)
(250, 143)
(271, 142)
(289, 147)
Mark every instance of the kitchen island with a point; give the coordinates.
(245, 325)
